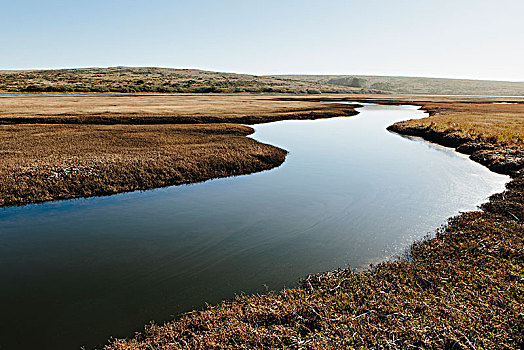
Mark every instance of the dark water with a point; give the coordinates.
(76, 272)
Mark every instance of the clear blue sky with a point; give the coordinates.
(445, 38)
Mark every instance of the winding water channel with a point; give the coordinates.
(76, 272)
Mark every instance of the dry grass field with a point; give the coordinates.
(49, 162)
(462, 289)
(502, 122)
(61, 147)
(159, 109)
(115, 136)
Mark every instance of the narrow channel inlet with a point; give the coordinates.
(76, 272)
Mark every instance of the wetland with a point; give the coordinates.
(77, 272)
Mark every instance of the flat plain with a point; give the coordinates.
(461, 289)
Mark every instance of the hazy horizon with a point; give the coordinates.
(480, 40)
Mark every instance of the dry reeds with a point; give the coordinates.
(50, 162)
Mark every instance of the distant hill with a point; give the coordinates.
(168, 80)
(410, 85)
(159, 80)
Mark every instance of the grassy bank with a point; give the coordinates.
(492, 134)
(50, 162)
(463, 289)
(62, 147)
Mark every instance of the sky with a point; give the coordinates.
(475, 39)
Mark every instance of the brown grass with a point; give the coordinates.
(469, 117)
(74, 153)
(49, 162)
(501, 122)
(461, 290)
(160, 109)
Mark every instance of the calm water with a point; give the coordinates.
(76, 272)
